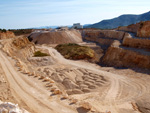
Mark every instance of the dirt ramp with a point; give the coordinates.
(56, 37)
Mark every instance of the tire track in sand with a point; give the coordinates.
(21, 88)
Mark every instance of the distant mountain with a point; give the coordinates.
(85, 25)
(123, 20)
(45, 27)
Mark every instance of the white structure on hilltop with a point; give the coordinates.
(77, 26)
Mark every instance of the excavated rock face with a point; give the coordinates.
(136, 43)
(141, 29)
(6, 35)
(104, 34)
(20, 47)
(120, 57)
(56, 37)
(144, 30)
(103, 37)
(131, 28)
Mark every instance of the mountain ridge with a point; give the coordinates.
(122, 20)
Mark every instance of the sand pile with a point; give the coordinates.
(56, 37)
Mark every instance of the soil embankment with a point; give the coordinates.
(56, 37)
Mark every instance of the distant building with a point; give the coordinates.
(77, 26)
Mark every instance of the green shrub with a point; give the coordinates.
(3, 30)
(18, 32)
(75, 51)
(40, 54)
(141, 25)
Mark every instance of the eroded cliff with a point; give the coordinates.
(136, 43)
(119, 57)
(6, 35)
(103, 37)
(20, 47)
(131, 28)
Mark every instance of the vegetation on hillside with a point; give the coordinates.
(40, 54)
(3, 30)
(123, 20)
(75, 51)
(141, 25)
(18, 32)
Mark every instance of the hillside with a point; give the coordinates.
(123, 20)
(56, 37)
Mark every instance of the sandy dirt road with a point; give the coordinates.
(29, 93)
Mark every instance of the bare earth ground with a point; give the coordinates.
(114, 91)
(30, 93)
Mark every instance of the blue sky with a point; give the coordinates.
(15, 14)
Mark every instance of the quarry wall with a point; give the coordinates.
(101, 41)
(103, 37)
(136, 43)
(119, 57)
(144, 30)
(104, 34)
(131, 28)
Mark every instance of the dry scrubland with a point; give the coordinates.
(75, 52)
(41, 80)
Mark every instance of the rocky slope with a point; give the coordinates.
(136, 43)
(103, 37)
(141, 29)
(119, 57)
(18, 47)
(56, 37)
(6, 35)
(144, 30)
(130, 28)
(104, 34)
